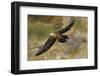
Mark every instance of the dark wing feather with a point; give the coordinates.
(46, 46)
(66, 28)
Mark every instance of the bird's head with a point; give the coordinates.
(53, 35)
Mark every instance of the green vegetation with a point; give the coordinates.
(39, 29)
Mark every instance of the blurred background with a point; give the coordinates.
(39, 28)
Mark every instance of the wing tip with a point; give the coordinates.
(37, 54)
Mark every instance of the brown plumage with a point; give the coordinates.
(53, 37)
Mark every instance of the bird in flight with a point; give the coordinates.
(58, 35)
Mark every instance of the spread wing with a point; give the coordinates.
(46, 46)
(66, 28)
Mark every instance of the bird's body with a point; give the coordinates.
(60, 37)
(53, 37)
